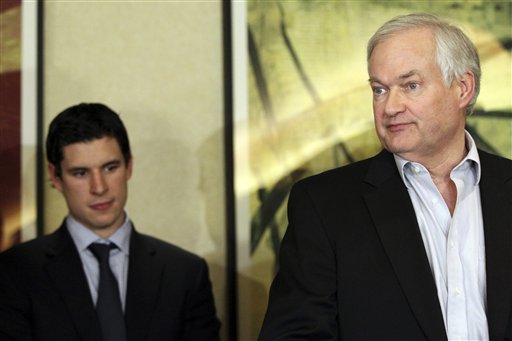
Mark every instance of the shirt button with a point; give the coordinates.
(457, 291)
(417, 170)
(452, 244)
(435, 201)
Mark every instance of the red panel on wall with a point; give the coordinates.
(10, 127)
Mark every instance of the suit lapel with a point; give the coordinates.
(392, 211)
(144, 278)
(65, 269)
(496, 198)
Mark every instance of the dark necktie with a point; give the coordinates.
(108, 306)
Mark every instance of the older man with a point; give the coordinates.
(414, 243)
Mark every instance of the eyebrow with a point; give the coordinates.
(409, 74)
(115, 162)
(400, 77)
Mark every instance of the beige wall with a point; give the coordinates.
(159, 64)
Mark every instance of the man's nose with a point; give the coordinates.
(394, 103)
(98, 183)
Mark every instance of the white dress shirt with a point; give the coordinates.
(118, 260)
(454, 244)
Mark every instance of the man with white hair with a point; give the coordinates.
(414, 243)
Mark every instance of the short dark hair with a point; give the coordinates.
(83, 123)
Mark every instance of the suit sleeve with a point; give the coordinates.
(201, 320)
(14, 307)
(302, 301)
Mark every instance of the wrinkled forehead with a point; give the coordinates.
(404, 51)
(410, 38)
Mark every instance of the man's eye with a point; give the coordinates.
(111, 168)
(412, 86)
(379, 91)
(78, 173)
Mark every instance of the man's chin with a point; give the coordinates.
(397, 146)
(102, 225)
(393, 148)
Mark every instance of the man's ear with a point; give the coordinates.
(129, 168)
(466, 88)
(54, 178)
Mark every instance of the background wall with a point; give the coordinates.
(158, 64)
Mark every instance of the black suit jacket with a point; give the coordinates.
(353, 265)
(44, 293)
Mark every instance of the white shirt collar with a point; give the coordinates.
(471, 155)
(83, 237)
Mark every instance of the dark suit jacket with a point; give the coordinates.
(353, 265)
(44, 293)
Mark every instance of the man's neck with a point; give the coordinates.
(440, 164)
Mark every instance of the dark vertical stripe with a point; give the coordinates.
(231, 265)
(40, 121)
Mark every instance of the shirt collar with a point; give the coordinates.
(83, 237)
(472, 155)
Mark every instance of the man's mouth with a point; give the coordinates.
(102, 206)
(395, 127)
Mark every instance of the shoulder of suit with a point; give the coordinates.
(349, 173)
(494, 165)
(486, 156)
(167, 248)
(27, 254)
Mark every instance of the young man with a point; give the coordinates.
(414, 243)
(57, 287)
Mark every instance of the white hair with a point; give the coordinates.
(455, 53)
